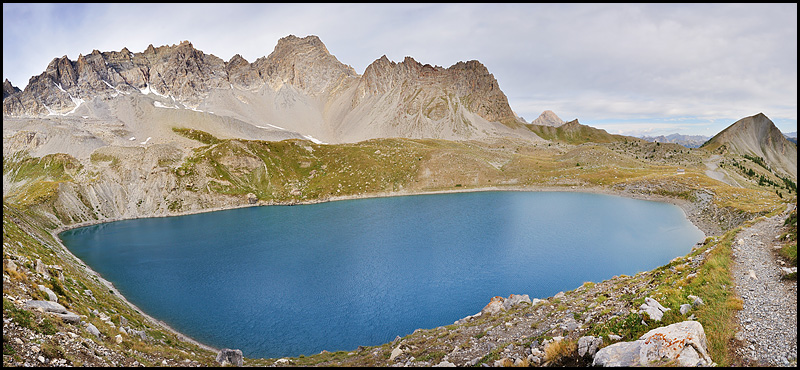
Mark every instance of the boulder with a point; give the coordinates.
(685, 308)
(93, 329)
(40, 268)
(118, 338)
(588, 345)
(47, 306)
(514, 299)
(495, 305)
(69, 317)
(395, 352)
(569, 325)
(684, 343)
(445, 364)
(696, 301)
(619, 354)
(653, 309)
(10, 265)
(230, 356)
(51, 296)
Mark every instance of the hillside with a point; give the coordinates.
(756, 136)
(573, 132)
(44, 195)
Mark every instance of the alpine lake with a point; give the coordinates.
(279, 281)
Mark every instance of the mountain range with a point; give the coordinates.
(299, 90)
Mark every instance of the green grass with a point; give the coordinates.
(201, 136)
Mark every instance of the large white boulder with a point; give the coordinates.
(684, 342)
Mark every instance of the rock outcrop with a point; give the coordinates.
(653, 309)
(682, 343)
(9, 89)
(230, 357)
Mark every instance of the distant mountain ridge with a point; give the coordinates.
(300, 89)
(689, 141)
(757, 136)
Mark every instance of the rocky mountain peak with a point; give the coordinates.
(9, 89)
(548, 118)
(304, 63)
(758, 136)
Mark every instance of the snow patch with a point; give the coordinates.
(132, 138)
(115, 89)
(160, 105)
(59, 86)
(148, 90)
(145, 142)
(315, 141)
(273, 126)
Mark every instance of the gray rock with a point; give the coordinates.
(123, 321)
(696, 301)
(653, 309)
(51, 296)
(570, 325)
(69, 317)
(230, 356)
(619, 354)
(93, 330)
(47, 306)
(495, 305)
(614, 337)
(685, 308)
(514, 299)
(10, 265)
(395, 352)
(445, 364)
(138, 333)
(40, 268)
(588, 345)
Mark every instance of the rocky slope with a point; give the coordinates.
(757, 136)
(9, 89)
(298, 90)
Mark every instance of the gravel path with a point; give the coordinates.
(768, 334)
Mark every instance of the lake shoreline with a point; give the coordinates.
(691, 212)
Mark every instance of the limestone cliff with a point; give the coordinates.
(300, 88)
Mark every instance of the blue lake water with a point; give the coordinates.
(283, 281)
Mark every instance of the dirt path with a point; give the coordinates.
(768, 332)
(712, 166)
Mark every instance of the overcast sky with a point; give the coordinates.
(627, 68)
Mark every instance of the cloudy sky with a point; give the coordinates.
(627, 68)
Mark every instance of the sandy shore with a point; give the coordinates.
(689, 209)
